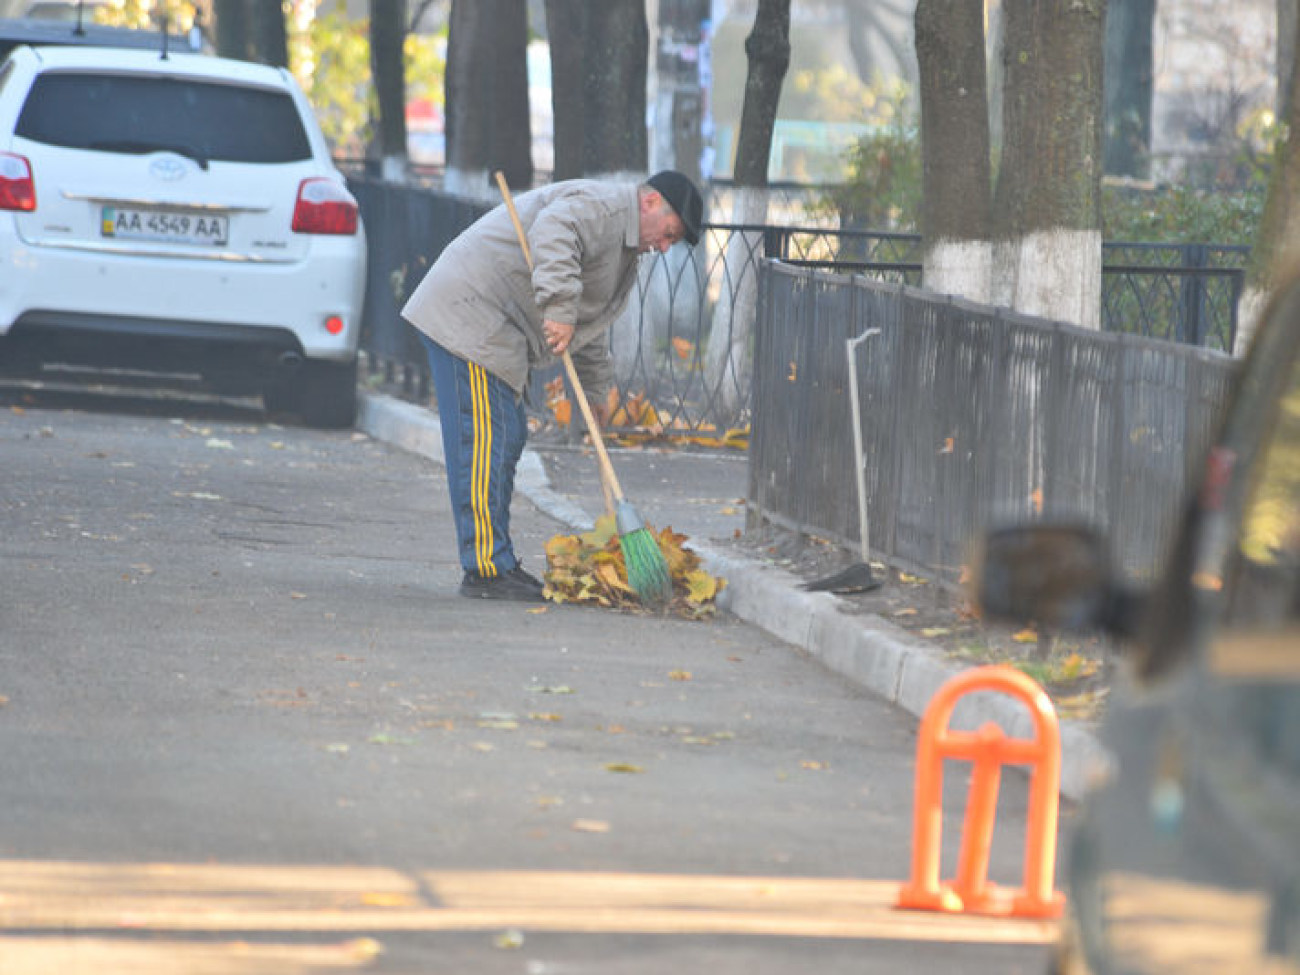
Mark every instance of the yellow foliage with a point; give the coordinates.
(589, 568)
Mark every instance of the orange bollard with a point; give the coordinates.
(988, 749)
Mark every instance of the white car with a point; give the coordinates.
(176, 213)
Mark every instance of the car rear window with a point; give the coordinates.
(122, 113)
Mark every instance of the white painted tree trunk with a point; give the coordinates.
(664, 305)
(393, 169)
(1250, 309)
(960, 267)
(727, 362)
(473, 184)
(1053, 274)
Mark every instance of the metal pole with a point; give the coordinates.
(859, 460)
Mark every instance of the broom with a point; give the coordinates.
(647, 571)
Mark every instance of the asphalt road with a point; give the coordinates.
(247, 725)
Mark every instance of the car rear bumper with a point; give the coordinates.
(180, 302)
(236, 358)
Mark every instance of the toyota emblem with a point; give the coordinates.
(168, 167)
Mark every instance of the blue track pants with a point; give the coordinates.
(483, 433)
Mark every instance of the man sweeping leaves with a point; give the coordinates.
(487, 321)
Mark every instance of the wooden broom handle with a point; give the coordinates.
(602, 455)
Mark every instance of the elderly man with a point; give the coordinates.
(487, 322)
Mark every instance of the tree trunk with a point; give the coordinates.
(487, 97)
(728, 357)
(1277, 242)
(599, 59)
(956, 175)
(1288, 15)
(614, 82)
(1129, 71)
(387, 68)
(681, 67)
(566, 31)
(768, 50)
(232, 29)
(1047, 205)
(268, 40)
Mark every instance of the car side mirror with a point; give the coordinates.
(1055, 575)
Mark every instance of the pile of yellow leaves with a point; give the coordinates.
(589, 568)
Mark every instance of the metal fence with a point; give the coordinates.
(683, 351)
(406, 229)
(1177, 292)
(968, 416)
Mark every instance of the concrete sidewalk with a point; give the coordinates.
(701, 495)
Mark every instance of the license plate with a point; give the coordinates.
(173, 226)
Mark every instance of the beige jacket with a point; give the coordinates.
(479, 301)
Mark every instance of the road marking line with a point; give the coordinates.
(118, 956)
(44, 895)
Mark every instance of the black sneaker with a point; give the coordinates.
(509, 586)
(518, 572)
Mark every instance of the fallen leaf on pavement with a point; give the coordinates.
(511, 940)
(590, 826)
(624, 768)
(1082, 705)
(363, 948)
(384, 738)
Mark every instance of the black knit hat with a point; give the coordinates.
(683, 197)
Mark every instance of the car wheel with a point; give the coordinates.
(282, 396)
(328, 394)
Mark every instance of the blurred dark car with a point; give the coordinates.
(1186, 857)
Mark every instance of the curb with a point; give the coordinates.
(867, 650)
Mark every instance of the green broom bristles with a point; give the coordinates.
(647, 570)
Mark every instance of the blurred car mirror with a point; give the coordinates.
(1056, 575)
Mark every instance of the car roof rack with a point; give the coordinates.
(35, 31)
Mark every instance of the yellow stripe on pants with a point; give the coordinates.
(480, 470)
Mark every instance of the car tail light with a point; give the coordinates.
(324, 207)
(17, 188)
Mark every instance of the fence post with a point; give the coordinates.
(776, 241)
(1195, 315)
(1238, 279)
